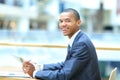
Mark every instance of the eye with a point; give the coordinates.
(60, 21)
(67, 20)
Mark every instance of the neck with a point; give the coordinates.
(72, 34)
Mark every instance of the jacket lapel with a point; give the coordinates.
(77, 37)
(69, 49)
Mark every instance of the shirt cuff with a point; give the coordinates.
(37, 68)
(34, 73)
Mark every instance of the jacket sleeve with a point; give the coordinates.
(53, 66)
(79, 59)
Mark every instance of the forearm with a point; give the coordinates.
(51, 75)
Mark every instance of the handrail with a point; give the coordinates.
(51, 45)
(32, 45)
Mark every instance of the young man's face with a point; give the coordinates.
(68, 24)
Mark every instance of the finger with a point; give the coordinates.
(26, 69)
(26, 62)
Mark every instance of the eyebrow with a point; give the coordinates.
(66, 19)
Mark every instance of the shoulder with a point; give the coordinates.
(82, 39)
(82, 36)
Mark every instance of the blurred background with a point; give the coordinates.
(36, 22)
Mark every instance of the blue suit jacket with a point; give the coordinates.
(81, 63)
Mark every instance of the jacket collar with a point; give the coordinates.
(73, 38)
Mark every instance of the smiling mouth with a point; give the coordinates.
(64, 31)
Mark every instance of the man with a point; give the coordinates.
(81, 62)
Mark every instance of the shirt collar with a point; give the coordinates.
(72, 38)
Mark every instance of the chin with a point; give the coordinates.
(65, 34)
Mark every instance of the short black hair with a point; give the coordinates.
(75, 12)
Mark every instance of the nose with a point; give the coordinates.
(62, 24)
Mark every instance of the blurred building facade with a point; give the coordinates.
(25, 15)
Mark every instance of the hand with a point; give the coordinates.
(28, 68)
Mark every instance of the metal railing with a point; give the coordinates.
(51, 45)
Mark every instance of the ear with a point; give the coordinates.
(79, 22)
